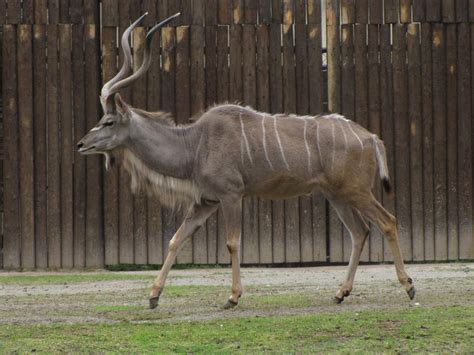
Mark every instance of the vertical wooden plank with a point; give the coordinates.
(198, 12)
(198, 102)
(471, 10)
(448, 9)
(14, 12)
(41, 14)
(168, 97)
(313, 9)
(263, 104)
(386, 103)
(250, 11)
(348, 13)
(250, 240)
(462, 11)
(361, 93)
(362, 11)
(315, 83)
(439, 141)
(110, 13)
(347, 72)
(67, 146)
(376, 11)
(79, 160)
(334, 105)
(402, 136)
(391, 11)
(428, 164)
(224, 12)
(433, 11)
(94, 218)
(125, 198)
(238, 11)
(376, 238)
(28, 11)
(235, 59)
(223, 256)
(75, 11)
(174, 6)
(139, 200)
(63, 11)
(40, 157)
(3, 16)
(211, 99)
(452, 141)
(277, 8)
(276, 105)
(347, 102)
(419, 10)
(54, 197)
(300, 12)
(211, 12)
(183, 110)
(302, 108)
(53, 11)
(465, 181)
(111, 192)
(162, 10)
(12, 233)
(264, 11)
(405, 11)
(91, 11)
(288, 12)
(416, 127)
(292, 230)
(154, 209)
(25, 143)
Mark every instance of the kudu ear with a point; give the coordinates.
(122, 107)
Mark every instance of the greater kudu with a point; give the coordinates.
(233, 151)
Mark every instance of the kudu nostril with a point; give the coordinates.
(80, 145)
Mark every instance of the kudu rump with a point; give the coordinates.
(233, 151)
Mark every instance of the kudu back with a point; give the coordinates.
(233, 151)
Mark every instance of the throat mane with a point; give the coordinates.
(172, 192)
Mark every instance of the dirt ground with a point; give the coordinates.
(198, 294)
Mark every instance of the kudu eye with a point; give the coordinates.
(109, 123)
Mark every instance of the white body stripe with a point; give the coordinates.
(319, 146)
(279, 143)
(345, 149)
(245, 138)
(306, 143)
(333, 128)
(265, 143)
(360, 141)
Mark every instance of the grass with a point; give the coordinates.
(439, 329)
(58, 279)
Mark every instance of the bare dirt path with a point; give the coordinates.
(197, 294)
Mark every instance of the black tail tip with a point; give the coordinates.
(387, 186)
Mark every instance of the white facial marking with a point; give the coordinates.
(96, 128)
(264, 142)
(245, 138)
(279, 143)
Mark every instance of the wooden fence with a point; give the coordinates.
(403, 69)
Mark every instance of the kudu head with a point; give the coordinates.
(112, 130)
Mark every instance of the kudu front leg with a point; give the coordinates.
(233, 218)
(195, 218)
(359, 231)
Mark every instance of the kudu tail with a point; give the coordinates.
(381, 157)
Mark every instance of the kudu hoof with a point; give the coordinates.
(154, 302)
(230, 304)
(338, 299)
(411, 292)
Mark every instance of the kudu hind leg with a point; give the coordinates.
(359, 231)
(388, 226)
(195, 218)
(233, 218)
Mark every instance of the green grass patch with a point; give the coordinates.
(58, 279)
(440, 329)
